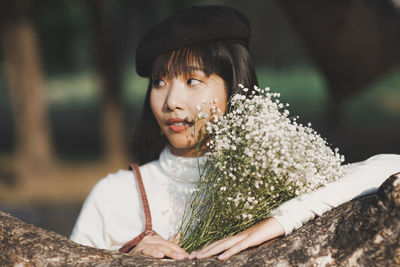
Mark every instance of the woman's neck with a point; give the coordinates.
(190, 152)
(181, 169)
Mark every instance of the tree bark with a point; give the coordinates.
(364, 232)
(34, 149)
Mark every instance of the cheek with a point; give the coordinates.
(155, 104)
(219, 92)
(222, 97)
(222, 106)
(212, 95)
(222, 101)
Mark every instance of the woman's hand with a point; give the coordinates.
(255, 235)
(157, 247)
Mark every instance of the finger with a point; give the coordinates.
(240, 246)
(176, 238)
(219, 246)
(153, 252)
(172, 252)
(213, 249)
(172, 238)
(194, 254)
(251, 240)
(159, 241)
(168, 248)
(173, 247)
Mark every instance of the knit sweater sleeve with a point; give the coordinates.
(360, 179)
(89, 226)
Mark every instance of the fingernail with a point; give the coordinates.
(159, 255)
(193, 255)
(222, 257)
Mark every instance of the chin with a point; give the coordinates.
(179, 144)
(182, 147)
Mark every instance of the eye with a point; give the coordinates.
(157, 83)
(193, 81)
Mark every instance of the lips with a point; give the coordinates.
(178, 124)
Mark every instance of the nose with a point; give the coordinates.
(175, 97)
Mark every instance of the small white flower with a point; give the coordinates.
(215, 118)
(202, 115)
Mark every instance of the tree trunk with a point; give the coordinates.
(353, 42)
(108, 64)
(362, 232)
(34, 149)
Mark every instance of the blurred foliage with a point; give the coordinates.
(379, 104)
(65, 35)
(64, 32)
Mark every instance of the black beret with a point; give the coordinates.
(190, 26)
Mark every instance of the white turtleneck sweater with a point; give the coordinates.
(113, 213)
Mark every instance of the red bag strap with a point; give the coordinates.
(148, 226)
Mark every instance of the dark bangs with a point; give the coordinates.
(209, 57)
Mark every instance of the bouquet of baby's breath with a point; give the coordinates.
(258, 158)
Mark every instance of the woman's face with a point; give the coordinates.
(175, 102)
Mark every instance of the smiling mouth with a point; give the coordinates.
(179, 125)
(178, 121)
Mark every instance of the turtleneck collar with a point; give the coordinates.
(181, 169)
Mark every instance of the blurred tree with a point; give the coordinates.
(62, 27)
(107, 27)
(352, 41)
(34, 148)
(115, 27)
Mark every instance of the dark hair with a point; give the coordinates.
(229, 60)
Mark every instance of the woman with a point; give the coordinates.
(197, 54)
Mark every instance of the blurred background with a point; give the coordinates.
(70, 97)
